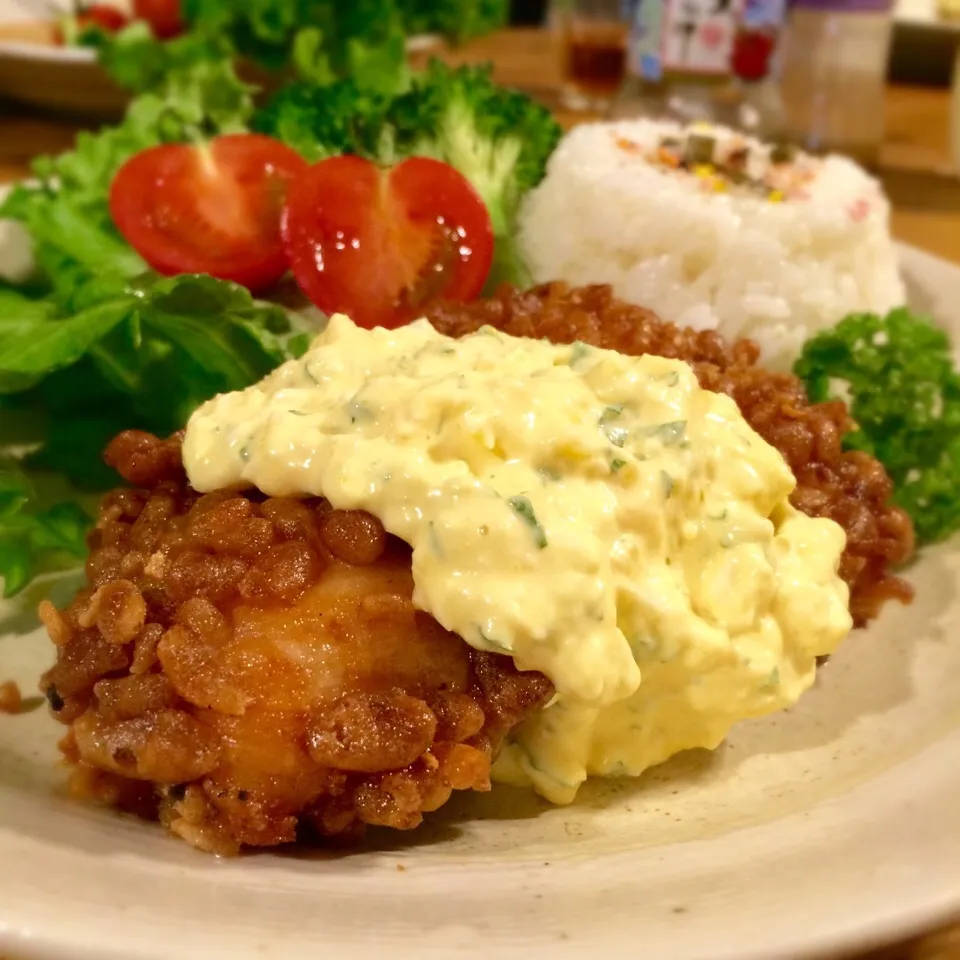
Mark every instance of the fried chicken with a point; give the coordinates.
(250, 670)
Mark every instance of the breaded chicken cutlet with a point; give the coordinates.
(249, 669)
(252, 670)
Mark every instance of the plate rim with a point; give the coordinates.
(848, 936)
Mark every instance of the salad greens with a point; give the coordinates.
(139, 62)
(317, 40)
(267, 31)
(80, 252)
(897, 375)
(323, 40)
(33, 540)
(457, 20)
(96, 343)
(143, 354)
(499, 139)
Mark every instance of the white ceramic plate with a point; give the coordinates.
(834, 826)
(36, 73)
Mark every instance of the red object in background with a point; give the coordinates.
(99, 15)
(379, 244)
(751, 55)
(213, 208)
(164, 16)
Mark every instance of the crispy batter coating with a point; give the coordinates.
(848, 487)
(250, 670)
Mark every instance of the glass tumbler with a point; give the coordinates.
(593, 37)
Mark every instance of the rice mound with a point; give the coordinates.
(776, 272)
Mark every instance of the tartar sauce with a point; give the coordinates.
(599, 518)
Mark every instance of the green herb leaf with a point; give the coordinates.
(435, 543)
(671, 434)
(524, 509)
(616, 435)
(490, 643)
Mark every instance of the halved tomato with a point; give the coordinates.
(379, 244)
(213, 208)
(164, 16)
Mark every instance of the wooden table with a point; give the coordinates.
(915, 169)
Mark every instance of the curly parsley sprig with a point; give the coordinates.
(899, 380)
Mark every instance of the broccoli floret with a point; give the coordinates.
(324, 121)
(897, 375)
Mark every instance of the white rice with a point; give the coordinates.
(734, 261)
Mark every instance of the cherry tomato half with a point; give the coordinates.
(211, 209)
(164, 16)
(379, 244)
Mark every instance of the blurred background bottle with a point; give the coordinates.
(706, 60)
(593, 38)
(834, 68)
